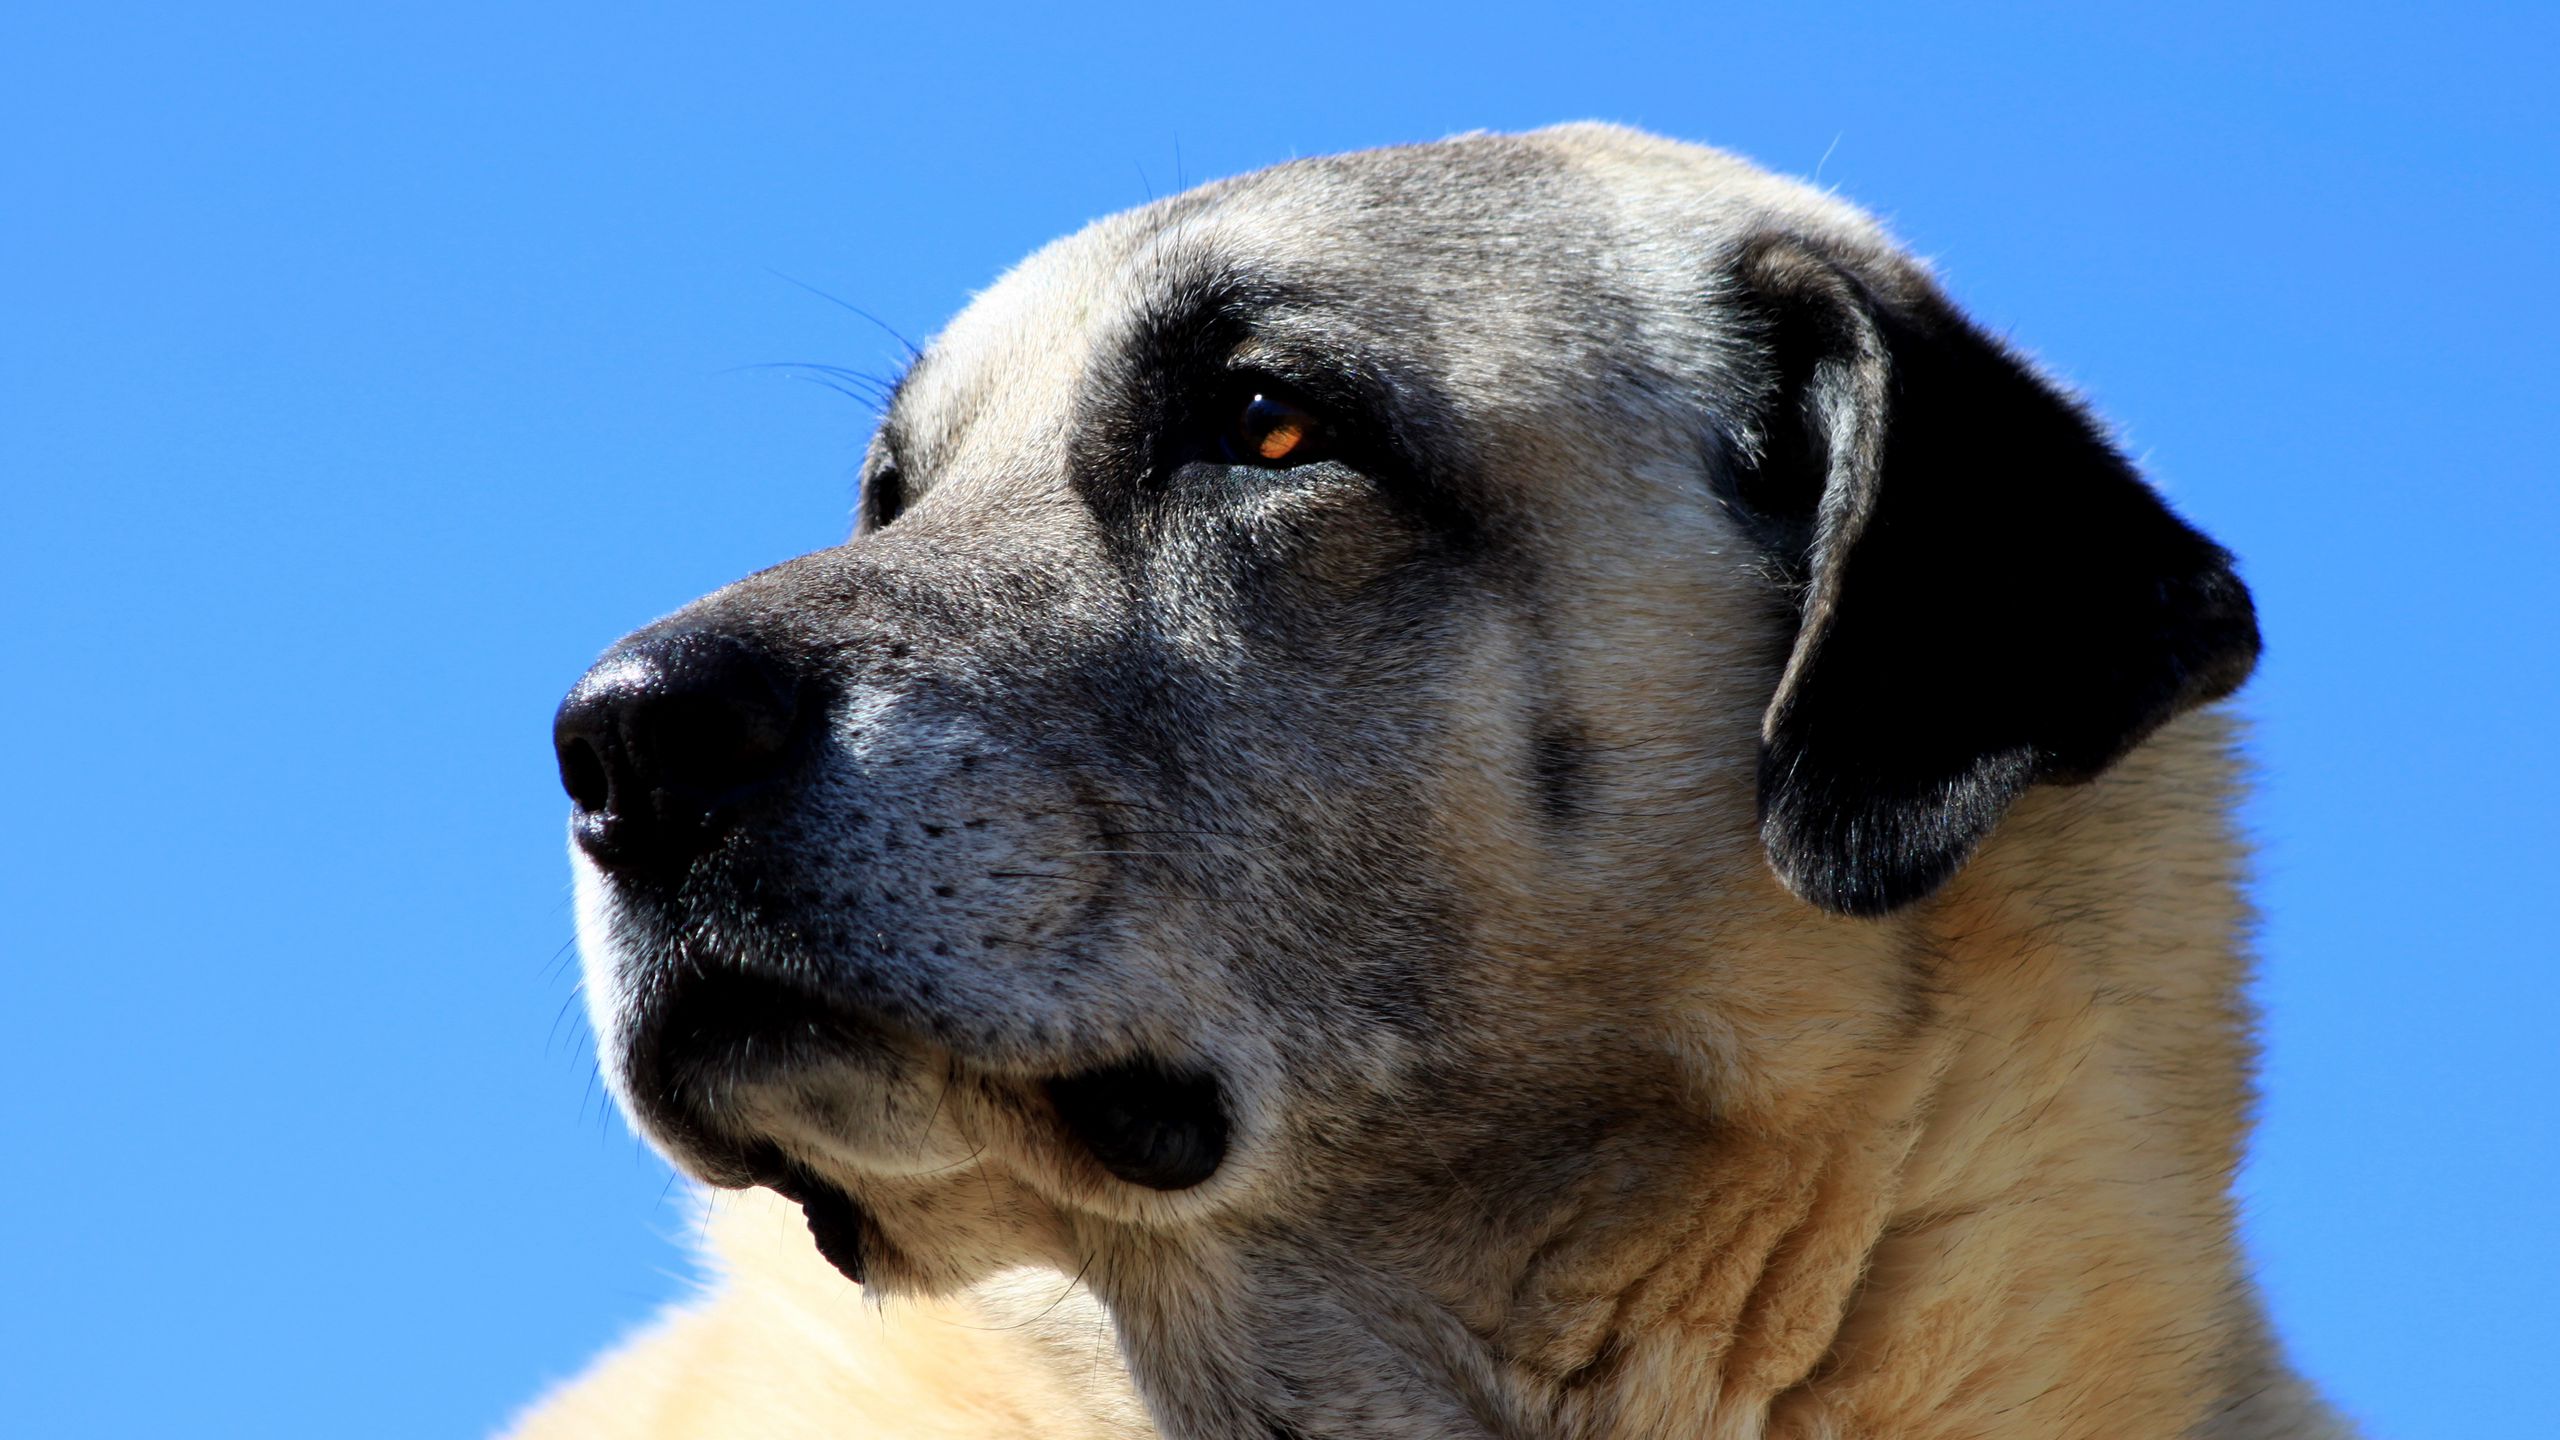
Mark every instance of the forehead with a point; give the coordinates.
(1487, 259)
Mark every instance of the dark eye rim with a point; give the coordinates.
(1370, 433)
(884, 495)
(1359, 429)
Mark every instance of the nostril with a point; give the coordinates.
(666, 742)
(582, 774)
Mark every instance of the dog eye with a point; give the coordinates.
(1274, 431)
(884, 496)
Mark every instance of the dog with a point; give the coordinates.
(1507, 788)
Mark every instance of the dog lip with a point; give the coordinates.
(728, 1165)
(709, 1028)
(738, 1024)
(1147, 1124)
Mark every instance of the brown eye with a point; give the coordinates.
(1273, 431)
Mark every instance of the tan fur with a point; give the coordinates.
(1961, 1172)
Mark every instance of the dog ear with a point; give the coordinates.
(1989, 596)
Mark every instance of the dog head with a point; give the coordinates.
(1374, 714)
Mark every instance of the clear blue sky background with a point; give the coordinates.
(364, 369)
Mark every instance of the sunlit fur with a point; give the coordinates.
(1654, 1147)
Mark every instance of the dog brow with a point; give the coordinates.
(1203, 309)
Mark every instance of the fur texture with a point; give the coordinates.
(1682, 841)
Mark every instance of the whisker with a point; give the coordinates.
(1070, 1288)
(913, 353)
(562, 1014)
(1137, 854)
(1132, 892)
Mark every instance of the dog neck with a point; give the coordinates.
(2012, 1218)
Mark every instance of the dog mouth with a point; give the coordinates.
(843, 1230)
(732, 1026)
(1144, 1121)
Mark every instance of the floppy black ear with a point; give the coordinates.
(1990, 596)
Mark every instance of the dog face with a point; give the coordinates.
(1364, 732)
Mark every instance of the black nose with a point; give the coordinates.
(666, 738)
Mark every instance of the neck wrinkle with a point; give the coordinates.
(1744, 1307)
(2059, 1257)
(2016, 1224)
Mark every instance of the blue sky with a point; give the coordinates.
(364, 370)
